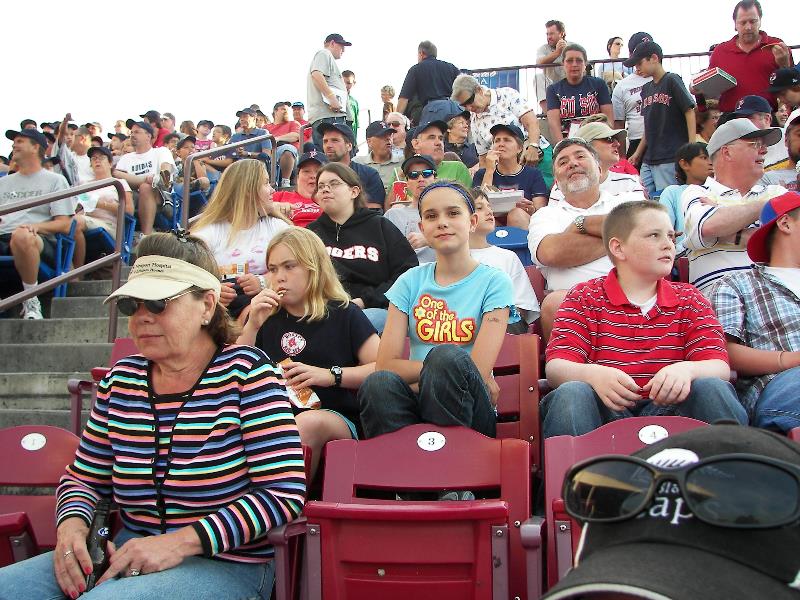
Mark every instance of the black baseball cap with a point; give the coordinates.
(782, 79)
(343, 128)
(246, 111)
(205, 122)
(510, 128)
(462, 113)
(186, 140)
(637, 38)
(642, 51)
(120, 136)
(140, 124)
(33, 134)
(441, 125)
(277, 105)
(335, 37)
(418, 158)
(153, 115)
(378, 129)
(100, 150)
(666, 552)
(314, 155)
(50, 137)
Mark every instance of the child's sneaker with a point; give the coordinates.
(31, 309)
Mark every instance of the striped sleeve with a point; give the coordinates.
(695, 214)
(570, 338)
(275, 467)
(88, 478)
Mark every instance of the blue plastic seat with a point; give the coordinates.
(514, 239)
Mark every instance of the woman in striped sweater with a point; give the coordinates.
(193, 438)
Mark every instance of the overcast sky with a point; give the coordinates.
(206, 60)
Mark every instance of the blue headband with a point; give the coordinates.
(447, 184)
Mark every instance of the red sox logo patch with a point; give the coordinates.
(773, 77)
(739, 104)
(292, 343)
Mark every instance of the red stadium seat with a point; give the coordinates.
(683, 269)
(359, 546)
(624, 436)
(537, 281)
(34, 456)
(794, 434)
(516, 371)
(122, 347)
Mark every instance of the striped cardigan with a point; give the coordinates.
(235, 465)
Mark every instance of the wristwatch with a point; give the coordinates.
(337, 376)
(579, 224)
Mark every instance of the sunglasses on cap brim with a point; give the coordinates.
(739, 491)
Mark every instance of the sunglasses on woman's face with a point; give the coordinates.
(425, 173)
(741, 491)
(128, 306)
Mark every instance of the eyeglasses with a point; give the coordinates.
(394, 123)
(128, 306)
(755, 144)
(742, 491)
(321, 187)
(607, 140)
(425, 173)
(468, 101)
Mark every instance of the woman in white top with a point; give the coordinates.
(238, 224)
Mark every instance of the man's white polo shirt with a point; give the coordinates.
(556, 218)
(711, 259)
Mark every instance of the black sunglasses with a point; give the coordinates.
(128, 306)
(425, 173)
(468, 101)
(741, 491)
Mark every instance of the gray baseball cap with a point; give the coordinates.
(741, 129)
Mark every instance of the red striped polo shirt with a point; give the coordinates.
(596, 324)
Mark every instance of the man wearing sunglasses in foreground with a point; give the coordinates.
(709, 513)
(633, 344)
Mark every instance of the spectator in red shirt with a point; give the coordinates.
(632, 343)
(287, 138)
(153, 118)
(299, 113)
(751, 56)
(300, 205)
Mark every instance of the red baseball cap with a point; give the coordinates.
(778, 206)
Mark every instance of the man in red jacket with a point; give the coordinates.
(751, 56)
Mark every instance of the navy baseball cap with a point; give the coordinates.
(638, 38)
(462, 113)
(314, 155)
(378, 129)
(205, 122)
(750, 105)
(780, 80)
(342, 128)
(418, 158)
(100, 150)
(120, 136)
(440, 125)
(33, 134)
(246, 111)
(642, 51)
(335, 37)
(186, 140)
(152, 115)
(510, 127)
(140, 124)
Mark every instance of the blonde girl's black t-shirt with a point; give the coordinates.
(335, 340)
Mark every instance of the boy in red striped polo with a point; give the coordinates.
(632, 343)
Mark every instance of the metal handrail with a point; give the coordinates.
(599, 60)
(187, 166)
(115, 258)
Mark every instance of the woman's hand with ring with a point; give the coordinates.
(71, 561)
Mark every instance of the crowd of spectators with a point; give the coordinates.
(624, 170)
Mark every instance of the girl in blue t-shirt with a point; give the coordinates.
(454, 312)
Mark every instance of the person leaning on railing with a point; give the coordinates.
(194, 439)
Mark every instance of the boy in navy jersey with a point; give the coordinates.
(632, 343)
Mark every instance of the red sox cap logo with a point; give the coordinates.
(773, 77)
(739, 104)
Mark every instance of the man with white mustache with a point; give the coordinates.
(566, 238)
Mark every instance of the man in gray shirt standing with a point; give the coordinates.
(327, 94)
(550, 53)
(27, 235)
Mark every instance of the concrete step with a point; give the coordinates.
(79, 306)
(98, 287)
(53, 358)
(37, 385)
(59, 331)
(27, 416)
